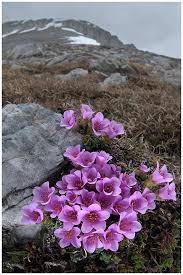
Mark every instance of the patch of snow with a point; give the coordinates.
(24, 21)
(51, 24)
(10, 33)
(29, 30)
(71, 30)
(83, 40)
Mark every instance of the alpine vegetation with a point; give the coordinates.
(98, 203)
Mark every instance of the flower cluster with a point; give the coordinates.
(100, 125)
(97, 204)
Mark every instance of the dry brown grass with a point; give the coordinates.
(149, 108)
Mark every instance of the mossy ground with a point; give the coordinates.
(150, 111)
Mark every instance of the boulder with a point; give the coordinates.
(25, 50)
(57, 60)
(33, 147)
(72, 75)
(115, 79)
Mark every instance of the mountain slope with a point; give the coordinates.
(56, 41)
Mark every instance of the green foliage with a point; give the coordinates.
(93, 143)
(109, 258)
(166, 264)
(50, 223)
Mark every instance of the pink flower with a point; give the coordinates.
(112, 237)
(62, 185)
(43, 193)
(73, 153)
(128, 180)
(125, 191)
(86, 159)
(68, 237)
(93, 218)
(138, 203)
(32, 214)
(143, 168)
(115, 129)
(106, 170)
(71, 197)
(150, 197)
(103, 157)
(128, 224)
(69, 216)
(120, 205)
(168, 192)
(86, 198)
(161, 175)
(109, 186)
(75, 181)
(69, 120)
(92, 241)
(86, 111)
(55, 205)
(99, 124)
(90, 175)
(105, 201)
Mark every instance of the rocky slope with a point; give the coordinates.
(50, 42)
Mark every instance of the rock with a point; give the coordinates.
(72, 75)
(127, 69)
(25, 50)
(15, 66)
(115, 79)
(101, 74)
(33, 147)
(57, 59)
(102, 65)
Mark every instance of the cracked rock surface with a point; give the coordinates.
(33, 147)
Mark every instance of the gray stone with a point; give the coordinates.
(33, 147)
(72, 75)
(102, 65)
(15, 67)
(126, 68)
(115, 79)
(25, 50)
(57, 60)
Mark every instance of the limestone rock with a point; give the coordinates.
(72, 75)
(33, 147)
(115, 79)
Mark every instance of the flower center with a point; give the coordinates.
(136, 204)
(78, 184)
(119, 206)
(97, 125)
(72, 216)
(87, 201)
(68, 234)
(91, 239)
(35, 215)
(108, 188)
(124, 225)
(57, 207)
(44, 196)
(104, 203)
(110, 236)
(92, 217)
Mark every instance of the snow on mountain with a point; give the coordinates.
(10, 33)
(82, 40)
(71, 30)
(29, 30)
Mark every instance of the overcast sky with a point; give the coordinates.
(150, 26)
